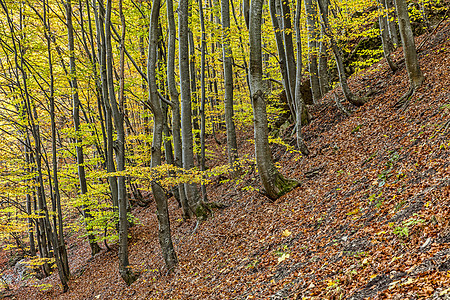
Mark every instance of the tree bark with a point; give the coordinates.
(409, 47)
(282, 56)
(311, 21)
(299, 103)
(95, 248)
(174, 97)
(126, 273)
(186, 110)
(162, 212)
(274, 183)
(355, 100)
(384, 34)
(228, 82)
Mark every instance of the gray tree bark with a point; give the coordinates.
(312, 21)
(393, 27)
(110, 166)
(282, 56)
(186, 109)
(384, 34)
(228, 82)
(95, 248)
(126, 273)
(355, 100)
(162, 212)
(409, 47)
(299, 103)
(174, 97)
(323, 60)
(274, 183)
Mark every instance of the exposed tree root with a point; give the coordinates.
(445, 127)
(403, 102)
(340, 106)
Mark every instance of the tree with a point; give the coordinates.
(409, 47)
(299, 103)
(274, 183)
(196, 206)
(95, 248)
(385, 37)
(127, 274)
(165, 238)
(313, 37)
(228, 82)
(355, 100)
(174, 97)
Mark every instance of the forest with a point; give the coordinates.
(225, 149)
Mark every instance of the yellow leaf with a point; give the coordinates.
(283, 257)
(286, 233)
(409, 281)
(444, 292)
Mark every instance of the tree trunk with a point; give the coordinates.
(289, 46)
(384, 34)
(176, 119)
(228, 82)
(409, 47)
(126, 273)
(165, 238)
(59, 246)
(393, 27)
(282, 55)
(110, 167)
(186, 111)
(357, 101)
(311, 20)
(323, 59)
(299, 103)
(274, 183)
(95, 248)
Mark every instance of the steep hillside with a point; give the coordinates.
(370, 220)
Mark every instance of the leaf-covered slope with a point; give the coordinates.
(371, 218)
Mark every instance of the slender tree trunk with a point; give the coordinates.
(357, 101)
(59, 246)
(282, 55)
(193, 78)
(323, 59)
(409, 47)
(76, 120)
(392, 22)
(162, 213)
(311, 20)
(228, 81)
(203, 99)
(110, 166)
(299, 103)
(186, 110)
(289, 46)
(176, 118)
(274, 183)
(384, 34)
(126, 273)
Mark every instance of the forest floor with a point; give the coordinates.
(370, 219)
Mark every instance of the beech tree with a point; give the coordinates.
(274, 183)
(228, 82)
(165, 238)
(409, 47)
